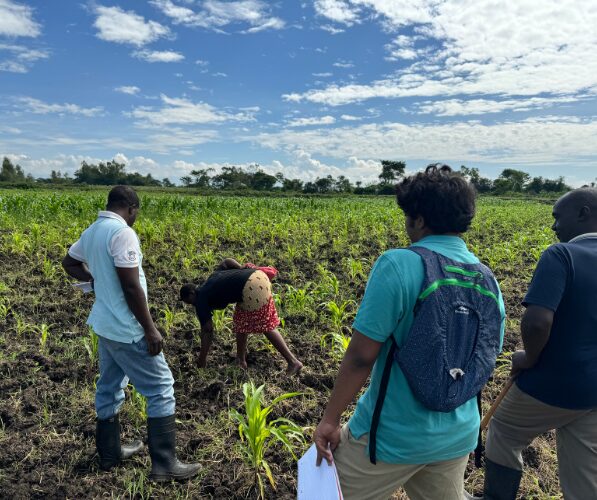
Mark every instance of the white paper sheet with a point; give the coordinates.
(84, 286)
(317, 483)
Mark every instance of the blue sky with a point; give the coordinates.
(306, 88)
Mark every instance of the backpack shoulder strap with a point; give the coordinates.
(383, 387)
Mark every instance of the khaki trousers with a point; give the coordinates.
(361, 480)
(520, 418)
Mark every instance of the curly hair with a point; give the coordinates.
(444, 198)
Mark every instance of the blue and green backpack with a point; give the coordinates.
(452, 346)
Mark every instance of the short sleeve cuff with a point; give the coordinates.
(74, 252)
(368, 332)
(529, 300)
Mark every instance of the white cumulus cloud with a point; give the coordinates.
(153, 56)
(128, 89)
(116, 25)
(183, 111)
(39, 107)
(305, 122)
(216, 15)
(19, 59)
(16, 19)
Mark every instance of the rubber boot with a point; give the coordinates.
(107, 442)
(161, 438)
(501, 482)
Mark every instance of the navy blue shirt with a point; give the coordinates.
(565, 282)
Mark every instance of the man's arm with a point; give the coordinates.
(535, 328)
(354, 370)
(135, 298)
(207, 335)
(76, 269)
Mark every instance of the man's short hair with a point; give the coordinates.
(445, 199)
(186, 290)
(123, 197)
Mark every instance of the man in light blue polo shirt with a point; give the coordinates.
(108, 254)
(424, 451)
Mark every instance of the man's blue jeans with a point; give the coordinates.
(150, 375)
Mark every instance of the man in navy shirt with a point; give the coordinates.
(556, 373)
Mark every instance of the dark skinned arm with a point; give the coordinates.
(354, 371)
(229, 263)
(535, 328)
(135, 298)
(207, 335)
(76, 269)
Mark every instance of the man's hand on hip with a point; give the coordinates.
(154, 340)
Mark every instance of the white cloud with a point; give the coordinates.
(469, 47)
(119, 26)
(184, 111)
(351, 118)
(39, 107)
(339, 11)
(343, 64)
(305, 122)
(331, 29)
(163, 56)
(322, 75)
(128, 89)
(20, 58)
(550, 140)
(216, 15)
(17, 20)
(456, 107)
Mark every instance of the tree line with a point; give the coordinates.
(233, 178)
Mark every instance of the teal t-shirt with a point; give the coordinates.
(408, 432)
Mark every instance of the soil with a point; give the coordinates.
(47, 447)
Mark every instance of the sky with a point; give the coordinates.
(306, 88)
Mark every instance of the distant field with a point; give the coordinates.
(323, 248)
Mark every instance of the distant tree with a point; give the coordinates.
(167, 183)
(324, 184)
(186, 181)
(482, 184)
(391, 171)
(310, 187)
(10, 172)
(201, 177)
(343, 184)
(262, 181)
(292, 185)
(513, 180)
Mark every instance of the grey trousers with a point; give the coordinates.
(520, 418)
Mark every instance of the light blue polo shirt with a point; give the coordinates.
(110, 315)
(408, 432)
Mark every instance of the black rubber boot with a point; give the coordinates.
(501, 482)
(161, 438)
(107, 441)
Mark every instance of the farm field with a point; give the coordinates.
(323, 248)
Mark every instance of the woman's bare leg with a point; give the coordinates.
(241, 350)
(294, 365)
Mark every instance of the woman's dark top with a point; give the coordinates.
(220, 289)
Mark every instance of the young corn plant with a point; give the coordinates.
(257, 434)
(140, 406)
(43, 331)
(339, 314)
(337, 342)
(91, 344)
(169, 319)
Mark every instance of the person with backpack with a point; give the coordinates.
(556, 373)
(428, 329)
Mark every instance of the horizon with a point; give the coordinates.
(309, 89)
